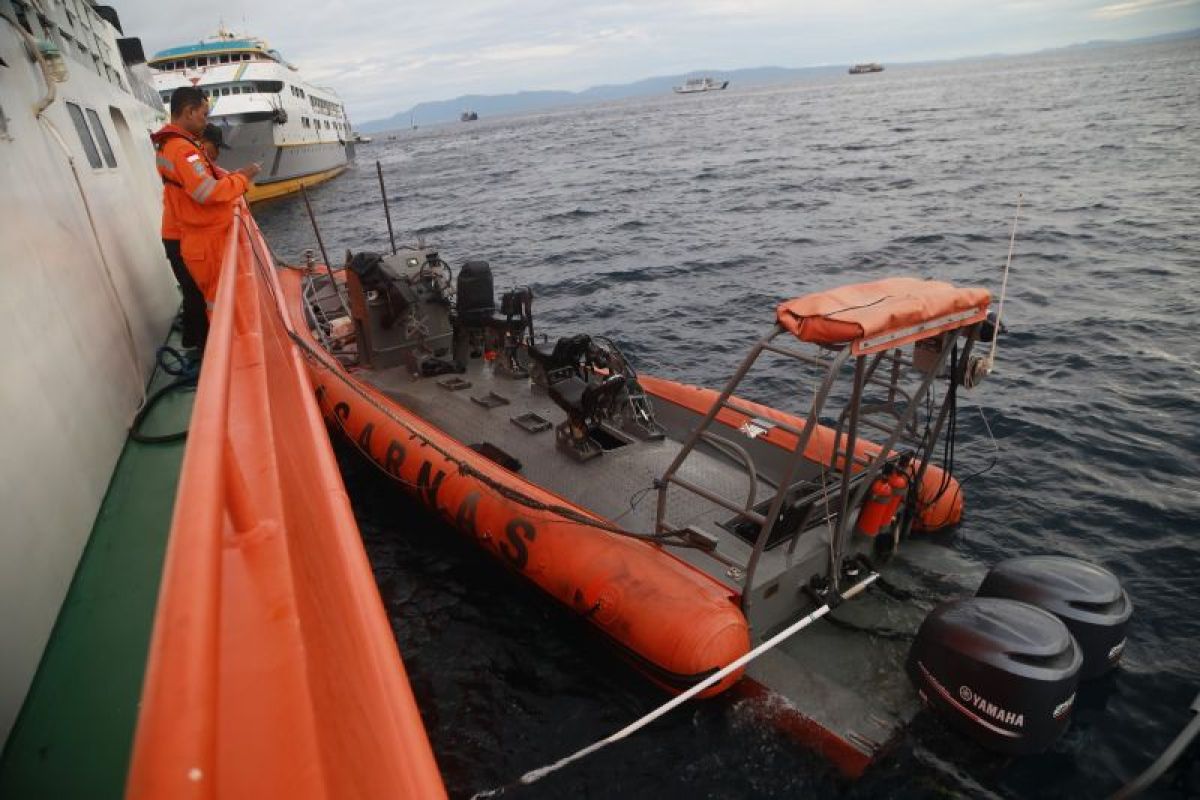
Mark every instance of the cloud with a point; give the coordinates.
(1131, 7)
(383, 55)
(523, 52)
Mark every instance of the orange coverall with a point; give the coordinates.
(199, 202)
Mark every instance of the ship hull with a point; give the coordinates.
(87, 302)
(285, 167)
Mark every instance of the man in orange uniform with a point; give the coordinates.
(200, 203)
(195, 319)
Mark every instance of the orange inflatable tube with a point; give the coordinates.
(939, 504)
(671, 620)
(273, 669)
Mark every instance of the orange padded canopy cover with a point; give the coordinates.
(882, 314)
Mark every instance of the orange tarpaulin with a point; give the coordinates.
(273, 670)
(882, 314)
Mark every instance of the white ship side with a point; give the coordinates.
(268, 113)
(87, 297)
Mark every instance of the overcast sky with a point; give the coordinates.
(383, 56)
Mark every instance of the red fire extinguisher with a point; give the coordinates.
(874, 513)
(898, 481)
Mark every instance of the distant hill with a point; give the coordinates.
(495, 105)
(519, 102)
(1162, 37)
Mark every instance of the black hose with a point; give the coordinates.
(1164, 761)
(135, 429)
(186, 372)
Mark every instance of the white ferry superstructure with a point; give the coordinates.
(298, 132)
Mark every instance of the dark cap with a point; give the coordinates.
(213, 134)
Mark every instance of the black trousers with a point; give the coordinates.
(195, 316)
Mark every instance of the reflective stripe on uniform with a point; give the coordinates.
(201, 192)
(165, 163)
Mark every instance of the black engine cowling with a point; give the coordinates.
(1088, 598)
(1003, 671)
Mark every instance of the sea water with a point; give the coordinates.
(674, 225)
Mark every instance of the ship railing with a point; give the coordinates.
(273, 670)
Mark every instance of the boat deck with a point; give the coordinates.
(843, 691)
(74, 733)
(619, 484)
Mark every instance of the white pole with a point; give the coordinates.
(1012, 241)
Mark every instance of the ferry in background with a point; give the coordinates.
(298, 132)
(692, 85)
(861, 69)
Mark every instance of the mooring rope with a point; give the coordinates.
(536, 775)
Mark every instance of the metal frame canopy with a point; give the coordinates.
(865, 325)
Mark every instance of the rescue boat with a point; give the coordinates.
(686, 525)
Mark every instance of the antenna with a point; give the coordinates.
(1012, 241)
(386, 212)
(324, 257)
(979, 367)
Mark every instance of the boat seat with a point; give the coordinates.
(568, 394)
(568, 351)
(587, 403)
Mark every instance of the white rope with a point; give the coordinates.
(1012, 242)
(537, 774)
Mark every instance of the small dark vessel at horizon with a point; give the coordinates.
(860, 69)
(468, 116)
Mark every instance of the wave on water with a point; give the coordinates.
(676, 229)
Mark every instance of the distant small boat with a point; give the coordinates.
(358, 138)
(859, 69)
(468, 116)
(692, 85)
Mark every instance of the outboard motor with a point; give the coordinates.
(1002, 671)
(476, 295)
(1088, 598)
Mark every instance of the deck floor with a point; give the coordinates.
(851, 684)
(74, 733)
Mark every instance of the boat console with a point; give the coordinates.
(400, 305)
